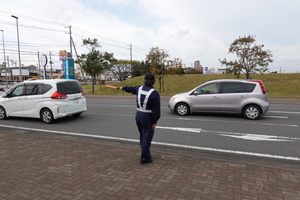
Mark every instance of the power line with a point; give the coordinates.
(32, 26)
(75, 31)
(24, 44)
(37, 20)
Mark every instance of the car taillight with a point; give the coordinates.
(262, 87)
(57, 95)
(83, 93)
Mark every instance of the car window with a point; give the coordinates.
(232, 88)
(208, 89)
(249, 87)
(43, 88)
(31, 89)
(18, 91)
(69, 87)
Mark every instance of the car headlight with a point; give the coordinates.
(174, 97)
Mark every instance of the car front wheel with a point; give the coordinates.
(182, 109)
(252, 112)
(47, 116)
(2, 113)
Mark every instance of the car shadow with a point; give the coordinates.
(64, 120)
(223, 116)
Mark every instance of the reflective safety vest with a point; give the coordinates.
(143, 105)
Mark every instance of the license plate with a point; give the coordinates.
(74, 102)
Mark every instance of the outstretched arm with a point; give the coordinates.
(130, 89)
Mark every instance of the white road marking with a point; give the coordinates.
(297, 113)
(278, 117)
(253, 136)
(162, 144)
(194, 130)
(70, 133)
(233, 122)
(201, 119)
(245, 136)
(260, 137)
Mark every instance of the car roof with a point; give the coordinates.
(49, 80)
(231, 80)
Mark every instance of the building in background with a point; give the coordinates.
(222, 71)
(198, 67)
(30, 72)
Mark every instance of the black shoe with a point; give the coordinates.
(146, 161)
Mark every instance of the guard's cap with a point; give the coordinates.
(149, 77)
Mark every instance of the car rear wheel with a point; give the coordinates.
(252, 112)
(47, 116)
(2, 113)
(182, 109)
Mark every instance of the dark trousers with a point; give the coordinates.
(144, 123)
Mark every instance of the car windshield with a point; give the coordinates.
(70, 87)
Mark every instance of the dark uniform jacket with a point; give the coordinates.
(147, 99)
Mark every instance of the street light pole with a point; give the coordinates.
(18, 46)
(4, 63)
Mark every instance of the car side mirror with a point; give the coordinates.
(197, 92)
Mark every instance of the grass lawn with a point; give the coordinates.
(278, 85)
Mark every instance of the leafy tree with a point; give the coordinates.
(95, 62)
(140, 68)
(251, 57)
(175, 67)
(122, 68)
(156, 58)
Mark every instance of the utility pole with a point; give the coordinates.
(70, 32)
(79, 62)
(130, 49)
(7, 61)
(18, 46)
(8, 68)
(50, 65)
(39, 63)
(4, 63)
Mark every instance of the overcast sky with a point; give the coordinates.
(187, 29)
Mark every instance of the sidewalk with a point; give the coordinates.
(42, 166)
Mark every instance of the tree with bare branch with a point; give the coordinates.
(157, 58)
(251, 57)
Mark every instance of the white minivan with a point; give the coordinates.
(47, 99)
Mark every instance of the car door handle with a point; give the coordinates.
(244, 97)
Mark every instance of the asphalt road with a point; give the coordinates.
(273, 137)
